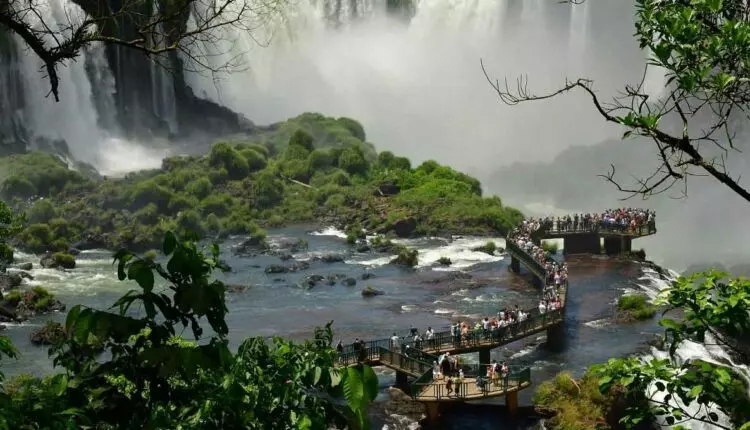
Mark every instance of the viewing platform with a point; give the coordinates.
(589, 237)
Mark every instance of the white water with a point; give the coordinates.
(419, 85)
(687, 351)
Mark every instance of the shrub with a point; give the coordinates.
(320, 159)
(42, 211)
(60, 245)
(200, 187)
(354, 127)
(64, 260)
(150, 191)
(181, 202)
(255, 160)
(488, 248)
(549, 246)
(148, 214)
(636, 307)
(219, 204)
(575, 404)
(444, 261)
(213, 223)
(189, 224)
(406, 257)
(18, 186)
(151, 254)
(303, 139)
(223, 155)
(352, 161)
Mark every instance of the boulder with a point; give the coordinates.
(371, 292)
(25, 275)
(387, 188)
(236, 288)
(404, 227)
(330, 258)
(349, 282)
(363, 248)
(74, 251)
(49, 334)
(367, 275)
(25, 266)
(91, 241)
(400, 403)
(58, 260)
(286, 268)
(250, 246)
(10, 280)
(311, 281)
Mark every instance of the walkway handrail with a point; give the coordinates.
(529, 261)
(553, 227)
(414, 363)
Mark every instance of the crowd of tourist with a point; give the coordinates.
(633, 220)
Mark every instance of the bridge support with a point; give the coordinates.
(433, 411)
(511, 403)
(617, 245)
(515, 264)
(556, 337)
(583, 243)
(484, 356)
(402, 381)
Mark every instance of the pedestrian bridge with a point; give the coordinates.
(415, 359)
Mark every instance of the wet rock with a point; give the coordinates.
(371, 292)
(91, 241)
(312, 280)
(58, 260)
(49, 334)
(10, 280)
(285, 257)
(236, 288)
(25, 275)
(25, 266)
(363, 248)
(404, 227)
(291, 246)
(367, 275)
(3, 327)
(74, 251)
(251, 246)
(400, 403)
(286, 268)
(278, 279)
(349, 282)
(332, 279)
(387, 188)
(330, 258)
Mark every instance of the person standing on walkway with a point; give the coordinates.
(395, 342)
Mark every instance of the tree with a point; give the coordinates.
(702, 45)
(125, 370)
(156, 28)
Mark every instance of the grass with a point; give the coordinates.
(550, 246)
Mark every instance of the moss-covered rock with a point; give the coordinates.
(58, 260)
(17, 305)
(635, 307)
(52, 333)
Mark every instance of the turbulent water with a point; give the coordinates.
(427, 296)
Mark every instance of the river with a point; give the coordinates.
(475, 285)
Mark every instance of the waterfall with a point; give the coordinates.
(418, 84)
(85, 118)
(162, 87)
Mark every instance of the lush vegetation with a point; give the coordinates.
(309, 168)
(635, 307)
(574, 404)
(550, 246)
(129, 369)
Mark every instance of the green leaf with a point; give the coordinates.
(318, 373)
(72, 316)
(370, 380)
(695, 391)
(670, 323)
(141, 272)
(170, 242)
(59, 384)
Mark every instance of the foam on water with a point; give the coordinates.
(460, 252)
(329, 231)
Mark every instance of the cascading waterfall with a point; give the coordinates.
(419, 84)
(85, 118)
(162, 86)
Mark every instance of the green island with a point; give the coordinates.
(305, 169)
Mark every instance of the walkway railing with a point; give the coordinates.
(415, 363)
(555, 227)
(530, 262)
(426, 388)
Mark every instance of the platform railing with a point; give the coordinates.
(427, 388)
(414, 363)
(530, 262)
(555, 227)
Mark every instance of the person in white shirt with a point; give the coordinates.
(542, 307)
(430, 333)
(394, 342)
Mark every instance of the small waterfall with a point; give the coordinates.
(162, 86)
(579, 35)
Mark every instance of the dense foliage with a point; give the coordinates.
(309, 168)
(150, 377)
(635, 307)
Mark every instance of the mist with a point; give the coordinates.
(418, 87)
